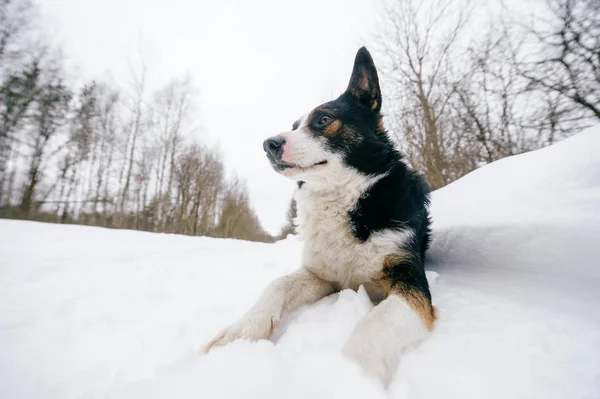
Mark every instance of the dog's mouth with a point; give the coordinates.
(281, 166)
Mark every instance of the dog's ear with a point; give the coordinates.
(364, 83)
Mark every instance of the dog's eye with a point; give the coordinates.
(325, 119)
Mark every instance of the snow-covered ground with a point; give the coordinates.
(91, 312)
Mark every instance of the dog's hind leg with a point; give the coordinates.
(283, 295)
(404, 318)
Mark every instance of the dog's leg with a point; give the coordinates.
(404, 318)
(284, 295)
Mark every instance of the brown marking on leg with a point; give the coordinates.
(411, 294)
(381, 280)
(419, 303)
(395, 259)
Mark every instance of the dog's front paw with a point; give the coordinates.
(249, 328)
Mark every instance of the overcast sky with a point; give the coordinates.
(258, 64)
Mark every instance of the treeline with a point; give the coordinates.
(99, 155)
(472, 82)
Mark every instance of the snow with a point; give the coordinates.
(514, 267)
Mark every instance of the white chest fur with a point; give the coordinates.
(330, 249)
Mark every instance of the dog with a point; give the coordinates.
(363, 217)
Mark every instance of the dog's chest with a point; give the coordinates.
(330, 249)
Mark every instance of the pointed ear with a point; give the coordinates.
(364, 83)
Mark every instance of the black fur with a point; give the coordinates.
(399, 200)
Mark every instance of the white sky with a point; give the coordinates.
(258, 64)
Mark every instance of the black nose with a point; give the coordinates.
(274, 146)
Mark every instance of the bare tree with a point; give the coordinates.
(417, 42)
(19, 74)
(516, 87)
(108, 101)
(135, 126)
(238, 219)
(171, 105)
(49, 114)
(492, 107)
(17, 95)
(144, 168)
(564, 63)
(188, 165)
(16, 17)
(208, 186)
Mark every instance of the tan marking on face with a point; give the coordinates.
(329, 130)
(415, 298)
(332, 128)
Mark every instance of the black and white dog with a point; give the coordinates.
(363, 218)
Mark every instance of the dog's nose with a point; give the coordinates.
(274, 146)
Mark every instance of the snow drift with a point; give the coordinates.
(515, 274)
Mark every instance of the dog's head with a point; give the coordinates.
(344, 133)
